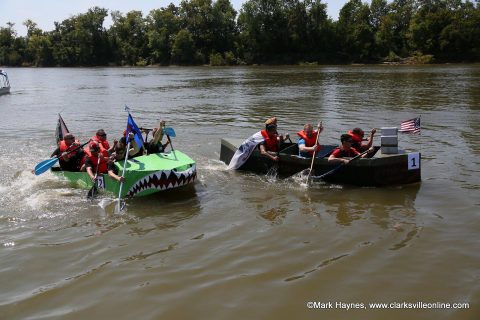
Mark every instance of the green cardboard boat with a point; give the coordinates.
(144, 175)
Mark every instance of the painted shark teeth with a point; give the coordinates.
(163, 180)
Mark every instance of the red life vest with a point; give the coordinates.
(103, 166)
(271, 143)
(104, 145)
(64, 148)
(309, 142)
(355, 137)
(357, 140)
(340, 153)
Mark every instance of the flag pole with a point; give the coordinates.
(127, 151)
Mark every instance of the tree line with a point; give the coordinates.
(263, 32)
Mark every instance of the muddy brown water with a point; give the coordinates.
(239, 245)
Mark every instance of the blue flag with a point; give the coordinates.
(132, 127)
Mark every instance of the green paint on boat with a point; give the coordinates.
(144, 175)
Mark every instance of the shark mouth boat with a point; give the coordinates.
(4, 83)
(144, 175)
(379, 170)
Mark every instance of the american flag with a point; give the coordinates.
(410, 126)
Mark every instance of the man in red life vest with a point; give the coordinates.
(345, 151)
(70, 153)
(93, 159)
(270, 146)
(101, 139)
(357, 135)
(307, 141)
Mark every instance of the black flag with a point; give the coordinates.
(62, 129)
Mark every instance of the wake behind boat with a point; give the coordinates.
(4, 83)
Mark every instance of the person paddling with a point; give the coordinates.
(268, 141)
(270, 145)
(357, 135)
(100, 138)
(69, 153)
(307, 141)
(345, 151)
(93, 159)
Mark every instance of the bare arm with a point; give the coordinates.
(370, 140)
(158, 135)
(115, 176)
(90, 173)
(264, 152)
(304, 148)
(333, 159)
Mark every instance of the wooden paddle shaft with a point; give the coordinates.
(314, 150)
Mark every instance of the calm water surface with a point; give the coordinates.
(239, 245)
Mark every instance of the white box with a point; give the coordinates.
(389, 141)
(389, 150)
(389, 131)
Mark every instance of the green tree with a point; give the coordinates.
(183, 50)
(11, 46)
(38, 46)
(81, 39)
(264, 33)
(430, 19)
(357, 37)
(129, 38)
(224, 33)
(392, 32)
(321, 42)
(197, 19)
(162, 26)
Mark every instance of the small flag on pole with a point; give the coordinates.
(132, 127)
(410, 126)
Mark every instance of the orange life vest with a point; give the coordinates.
(309, 142)
(64, 148)
(104, 145)
(271, 143)
(103, 166)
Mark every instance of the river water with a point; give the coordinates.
(239, 245)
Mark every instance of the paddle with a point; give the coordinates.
(47, 164)
(338, 167)
(170, 132)
(94, 190)
(121, 204)
(314, 151)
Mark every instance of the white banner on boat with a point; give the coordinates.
(100, 182)
(413, 161)
(245, 150)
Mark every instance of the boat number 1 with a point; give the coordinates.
(413, 161)
(100, 182)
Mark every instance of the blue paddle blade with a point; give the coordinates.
(169, 132)
(45, 165)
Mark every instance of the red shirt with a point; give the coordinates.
(339, 153)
